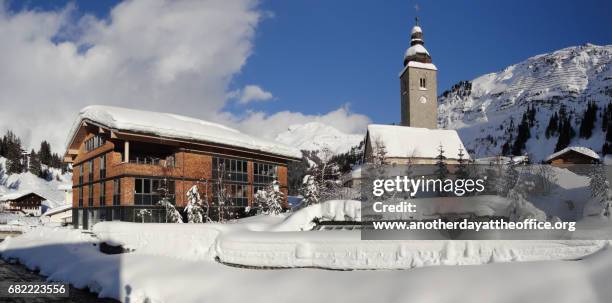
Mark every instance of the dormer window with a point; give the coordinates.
(422, 83)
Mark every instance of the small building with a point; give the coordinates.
(573, 155)
(28, 202)
(61, 215)
(125, 161)
(413, 145)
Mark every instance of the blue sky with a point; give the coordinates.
(316, 55)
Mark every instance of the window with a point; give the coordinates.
(80, 193)
(81, 173)
(102, 193)
(264, 173)
(90, 168)
(90, 195)
(422, 83)
(116, 192)
(150, 191)
(232, 170)
(103, 166)
(93, 143)
(137, 159)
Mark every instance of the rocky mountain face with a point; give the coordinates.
(493, 110)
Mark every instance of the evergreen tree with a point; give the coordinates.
(194, 206)
(270, 199)
(588, 121)
(552, 129)
(462, 170)
(45, 154)
(441, 168)
(310, 190)
(13, 153)
(523, 134)
(34, 166)
(565, 135)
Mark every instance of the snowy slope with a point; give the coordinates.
(316, 135)
(481, 109)
(24, 182)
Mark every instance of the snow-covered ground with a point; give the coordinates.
(190, 263)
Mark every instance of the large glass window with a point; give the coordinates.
(102, 193)
(90, 195)
(80, 193)
(90, 167)
(264, 173)
(232, 170)
(117, 192)
(81, 173)
(103, 166)
(150, 191)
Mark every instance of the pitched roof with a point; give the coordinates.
(176, 127)
(579, 149)
(20, 194)
(415, 142)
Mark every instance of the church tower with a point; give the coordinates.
(419, 102)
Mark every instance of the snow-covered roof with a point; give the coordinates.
(579, 149)
(416, 64)
(58, 209)
(416, 49)
(416, 29)
(415, 142)
(19, 194)
(176, 127)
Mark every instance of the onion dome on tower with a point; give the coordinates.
(417, 52)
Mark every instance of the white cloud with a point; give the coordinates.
(166, 55)
(175, 56)
(251, 93)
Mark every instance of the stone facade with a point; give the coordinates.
(419, 102)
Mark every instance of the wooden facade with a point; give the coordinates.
(29, 203)
(116, 173)
(571, 157)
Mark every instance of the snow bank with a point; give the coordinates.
(334, 210)
(182, 241)
(68, 255)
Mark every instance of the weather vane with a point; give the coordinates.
(416, 18)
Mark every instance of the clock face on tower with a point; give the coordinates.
(423, 100)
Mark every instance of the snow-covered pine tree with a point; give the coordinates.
(270, 199)
(194, 209)
(172, 214)
(441, 168)
(462, 169)
(310, 190)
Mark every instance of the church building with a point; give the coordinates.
(417, 139)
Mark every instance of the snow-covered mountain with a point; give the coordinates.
(482, 109)
(315, 136)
